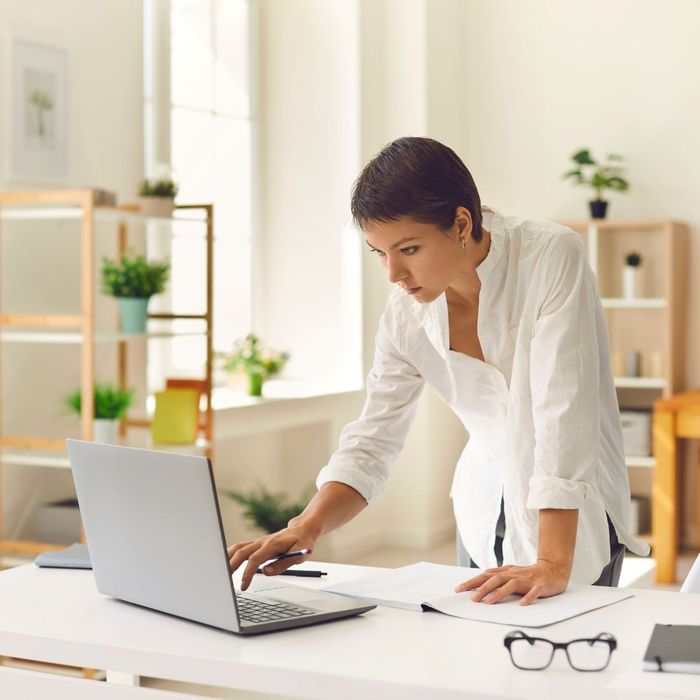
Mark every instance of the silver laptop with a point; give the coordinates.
(155, 538)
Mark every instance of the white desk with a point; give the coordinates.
(57, 616)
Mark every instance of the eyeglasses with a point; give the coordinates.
(535, 654)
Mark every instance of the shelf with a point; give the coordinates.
(640, 382)
(35, 458)
(76, 209)
(644, 462)
(75, 338)
(276, 391)
(107, 214)
(620, 224)
(640, 303)
(59, 460)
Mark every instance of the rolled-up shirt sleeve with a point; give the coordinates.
(564, 379)
(369, 446)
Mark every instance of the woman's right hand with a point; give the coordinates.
(292, 537)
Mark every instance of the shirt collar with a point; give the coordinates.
(492, 221)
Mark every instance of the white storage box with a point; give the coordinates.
(636, 433)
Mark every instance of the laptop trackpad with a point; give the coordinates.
(308, 598)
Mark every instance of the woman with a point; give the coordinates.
(502, 318)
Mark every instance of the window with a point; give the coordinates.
(197, 90)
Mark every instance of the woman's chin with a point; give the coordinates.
(423, 296)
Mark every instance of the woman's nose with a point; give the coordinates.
(396, 271)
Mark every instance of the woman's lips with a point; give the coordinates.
(413, 290)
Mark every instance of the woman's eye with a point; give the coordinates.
(410, 250)
(378, 252)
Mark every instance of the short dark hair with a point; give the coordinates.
(416, 177)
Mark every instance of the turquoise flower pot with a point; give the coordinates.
(133, 314)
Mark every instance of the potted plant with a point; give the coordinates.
(258, 363)
(599, 176)
(157, 196)
(268, 511)
(630, 275)
(111, 403)
(133, 281)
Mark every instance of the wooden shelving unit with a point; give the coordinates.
(652, 323)
(80, 329)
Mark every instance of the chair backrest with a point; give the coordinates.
(692, 580)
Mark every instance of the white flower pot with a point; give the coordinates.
(630, 282)
(105, 430)
(157, 206)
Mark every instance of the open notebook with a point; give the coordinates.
(425, 586)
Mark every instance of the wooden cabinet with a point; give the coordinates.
(74, 230)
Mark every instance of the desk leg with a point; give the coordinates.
(664, 504)
(122, 678)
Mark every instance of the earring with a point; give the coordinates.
(464, 243)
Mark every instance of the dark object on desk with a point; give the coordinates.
(307, 573)
(674, 648)
(74, 557)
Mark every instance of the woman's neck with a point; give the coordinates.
(467, 285)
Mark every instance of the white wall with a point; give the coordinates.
(104, 42)
(538, 79)
(308, 276)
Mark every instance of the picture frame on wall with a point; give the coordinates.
(37, 106)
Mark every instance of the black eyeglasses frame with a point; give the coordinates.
(516, 635)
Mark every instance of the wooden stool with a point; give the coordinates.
(675, 417)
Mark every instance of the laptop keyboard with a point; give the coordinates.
(252, 610)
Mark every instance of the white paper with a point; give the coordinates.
(411, 587)
(407, 587)
(692, 580)
(576, 600)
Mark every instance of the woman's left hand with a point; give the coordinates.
(540, 580)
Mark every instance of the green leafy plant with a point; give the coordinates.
(633, 259)
(248, 354)
(164, 187)
(111, 402)
(134, 277)
(599, 176)
(266, 510)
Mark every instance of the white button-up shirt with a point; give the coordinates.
(541, 410)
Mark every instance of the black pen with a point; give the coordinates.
(301, 572)
(296, 553)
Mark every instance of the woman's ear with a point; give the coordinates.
(463, 220)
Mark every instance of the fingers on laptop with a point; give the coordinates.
(235, 547)
(240, 552)
(263, 550)
(267, 551)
